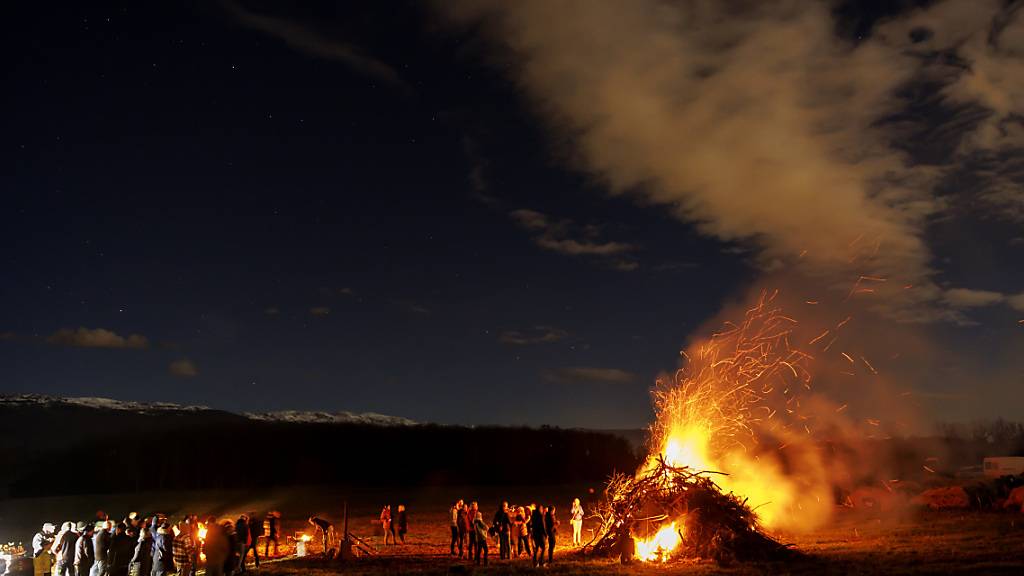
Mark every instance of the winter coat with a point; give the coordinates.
(163, 549)
(463, 520)
(233, 556)
(520, 523)
(537, 525)
(550, 523)
(255, 531)
(216, 545)
(481, 530)
(242, 532)
(403, 522)
(85, 554)
(122, 548)
(143, 556)
(577, 513)
(100, 545)
(64, 548)
(39, 543)
(183, 552)
(502, 521)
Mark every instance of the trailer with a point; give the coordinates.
(998, 466)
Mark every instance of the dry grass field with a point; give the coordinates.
(923, 543)
(916, 542)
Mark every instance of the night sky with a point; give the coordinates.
(378, 207)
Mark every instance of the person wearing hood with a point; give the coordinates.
(84, 552)
(43, 539)
(163, 547)
(215, 547)
(142, 558)
(100, 548)
(64, 550)
(122, 548)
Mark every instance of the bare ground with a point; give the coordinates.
(924, 542)
(915, 542)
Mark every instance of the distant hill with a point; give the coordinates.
(95, 445)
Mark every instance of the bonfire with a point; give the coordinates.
(689, 515)
(681, 504)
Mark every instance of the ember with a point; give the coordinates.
(693, 497)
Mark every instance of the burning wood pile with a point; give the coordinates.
(667, 512)
(718, 413)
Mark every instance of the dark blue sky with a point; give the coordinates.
(311, 233)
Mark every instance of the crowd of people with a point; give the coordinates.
(153, 545)
(157, 546)
(531, 529)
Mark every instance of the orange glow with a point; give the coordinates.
(202, 531)
(659, 547)
(717, 416)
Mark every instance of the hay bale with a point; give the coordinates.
(943, 498)
(1015, 499)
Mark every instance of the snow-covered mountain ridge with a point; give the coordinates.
(294, 416)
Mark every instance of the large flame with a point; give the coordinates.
(732, 408)
(660, 546)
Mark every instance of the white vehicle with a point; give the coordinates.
(1003, 466)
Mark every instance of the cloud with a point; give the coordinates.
(764, 127)
(535, 335)
(184, 368)
(567, 237)
(966, 298)
(83, 337)
(307, 39)
(588, 375)
(1016, 302)
(988, 76)
(320, 311)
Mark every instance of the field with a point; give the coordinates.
(915, 542)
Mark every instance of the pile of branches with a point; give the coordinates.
(713, 524)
